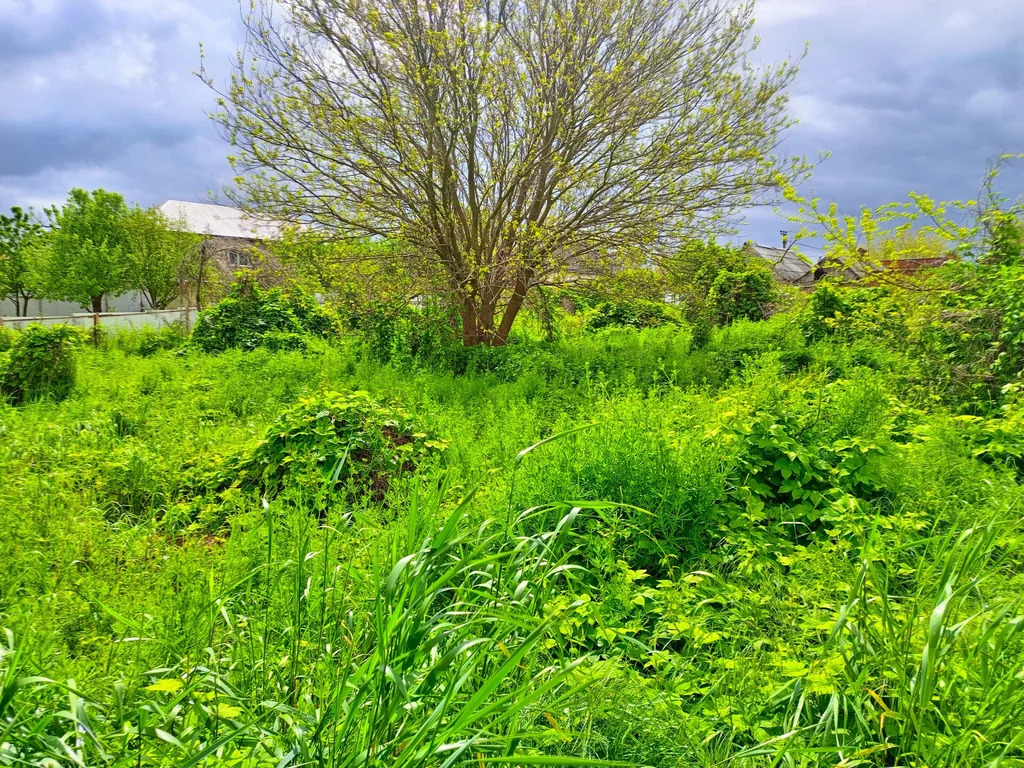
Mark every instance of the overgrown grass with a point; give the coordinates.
(758, 552)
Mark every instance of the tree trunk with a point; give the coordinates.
(470, 327)
(97, 304)
(508, 317)
(545, 315)
(22, 311)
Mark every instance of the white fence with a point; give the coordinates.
(158, 318)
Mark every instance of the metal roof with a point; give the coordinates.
(787, 265)
(219, 220)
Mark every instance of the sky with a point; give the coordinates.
(905, 95)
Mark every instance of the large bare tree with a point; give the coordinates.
(504, 143)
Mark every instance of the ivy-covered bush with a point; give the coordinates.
(826, 309)
(40, 363)
(251, 317)
(746, 295)
(636, 313)
(333, 442)
(961, 325)
(400, 334)
(6, 339)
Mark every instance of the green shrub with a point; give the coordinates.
(7, 337)
(746, 295)
(667, 482)
(251, 317)
(826, 310)
(577, 298)
(1003, 293)
(332, 442)
(284, 341)
(402, 335)
(733, 346)
(634, 313)
(40, 363)
(145, 342)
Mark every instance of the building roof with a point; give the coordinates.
(219, 220)
(787, 265)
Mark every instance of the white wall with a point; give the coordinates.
(157, 319)
(129, 302)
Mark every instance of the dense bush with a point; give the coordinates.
(634, 313)
(40, 363)
(397, 333)
(334, 441)
(251, 316)
(828, 310)
(979, 334)
(958, 329)
(662, 482)
(747, 295)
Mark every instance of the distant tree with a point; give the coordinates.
(693, 269)
(88, 248)
(747, 295)
(159, 257)
(21, 244)
(505, 143)
(348, 273)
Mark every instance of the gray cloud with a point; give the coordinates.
(918, 97)
(30, 30)
(30, 149)
(101, 93)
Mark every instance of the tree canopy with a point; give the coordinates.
(21, 236)
(159, 258)
(88, 248)
(505, 144)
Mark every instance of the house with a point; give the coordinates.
(911, 264)
(788, 267)
(880, 270)
(845, 269)
(233, 239)
(792, 269)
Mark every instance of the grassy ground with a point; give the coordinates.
(756, 553)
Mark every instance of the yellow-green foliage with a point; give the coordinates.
(251, 317)
(792, 546)
(468, 146)
(334, 440)
(40, 363)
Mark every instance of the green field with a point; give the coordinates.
(617, 547)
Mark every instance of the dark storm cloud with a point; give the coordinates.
(30, 148)
(918, 95)
(907, 95)
(29, 30)
(101, 93)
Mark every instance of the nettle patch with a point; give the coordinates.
(334, 443)
(251, 317)
(40, 362)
